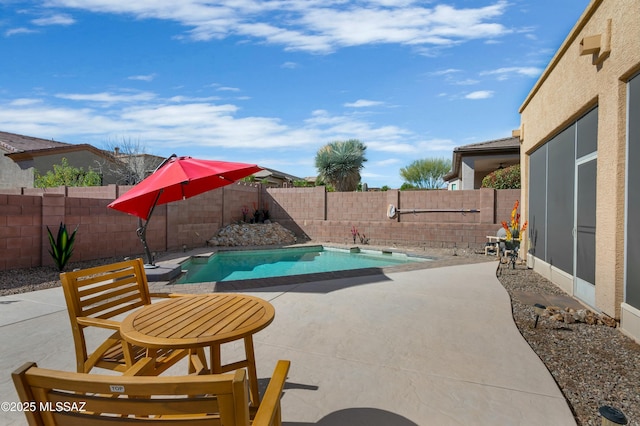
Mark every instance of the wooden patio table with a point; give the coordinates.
(198, 321)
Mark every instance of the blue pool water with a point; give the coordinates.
(242, 265)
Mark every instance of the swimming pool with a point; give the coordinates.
(251, 264)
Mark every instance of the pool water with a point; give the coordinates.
(250, 264)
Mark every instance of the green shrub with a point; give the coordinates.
(64, 174)
(507, 178)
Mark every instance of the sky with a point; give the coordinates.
(271, 82)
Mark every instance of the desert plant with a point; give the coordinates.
(61, 247)
(339, 164)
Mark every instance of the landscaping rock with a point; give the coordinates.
(253, 234)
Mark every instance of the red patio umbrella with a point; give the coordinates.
(177, 178)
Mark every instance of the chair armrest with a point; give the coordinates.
(99, 322)
(270, 405)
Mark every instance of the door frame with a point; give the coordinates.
(582, 289)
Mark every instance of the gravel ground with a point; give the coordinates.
(594, 365)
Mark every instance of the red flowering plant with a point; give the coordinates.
(513, 229)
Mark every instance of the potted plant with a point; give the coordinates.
(513, 230)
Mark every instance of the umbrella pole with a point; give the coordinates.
(142, 234)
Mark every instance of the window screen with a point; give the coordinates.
(560, 200)
(633, 196)
(538, 202)
(587, 137)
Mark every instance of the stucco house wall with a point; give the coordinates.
(21, 156)
(12, 175)
(579, 78)
(82, 159)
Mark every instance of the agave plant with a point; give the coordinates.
(62, 247)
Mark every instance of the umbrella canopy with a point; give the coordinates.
(177, 179)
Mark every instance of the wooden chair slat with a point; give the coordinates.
(131, 399)
(107, 291)
(138, 407)
(89, 286)
(72, 419)
(105, 310)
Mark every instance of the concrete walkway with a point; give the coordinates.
(427, 347)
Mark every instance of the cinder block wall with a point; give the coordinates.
(309, 212)
(330, 217)
(20, 231)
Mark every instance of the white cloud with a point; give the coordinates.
(450, 75)
(480, 94)
(314, 25)
(445, 72)
(184, 99)
(176, 122)
(227, 89)
(436, 145)
(58, 19)
(362, 103)
(289, 65)
(21, 30)
(505, 73)
(147, 77)
(106, 97)
(387, 162)
(466, 82)
(54, 122)
(25, 102)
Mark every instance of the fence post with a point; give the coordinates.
(487, 205)
(53, 213)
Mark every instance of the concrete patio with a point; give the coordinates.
(427, 347)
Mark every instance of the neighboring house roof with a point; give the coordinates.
(506, 146)
(19, 143)
(265, 173)
(21, 148)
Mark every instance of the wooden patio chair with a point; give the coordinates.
(95, 297)
(67, 399)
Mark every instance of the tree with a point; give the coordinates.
(132, 163)
(339, 164)
(426, 173)
(507, 178)
(65, 175)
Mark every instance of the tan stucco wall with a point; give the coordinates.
(21, 175)
(569, 87)
(11, 175)
(84, 159)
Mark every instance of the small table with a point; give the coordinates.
(197, 321)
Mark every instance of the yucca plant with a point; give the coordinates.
(62, 247)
